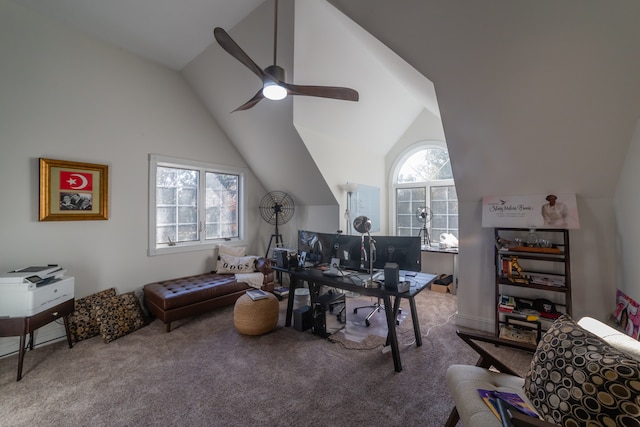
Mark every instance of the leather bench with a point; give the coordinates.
(175, 299)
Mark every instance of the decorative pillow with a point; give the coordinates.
(577, 379)
(228, 264)
(82, 322)
(118, 316)
(239, 251)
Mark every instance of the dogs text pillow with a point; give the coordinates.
(228, 264)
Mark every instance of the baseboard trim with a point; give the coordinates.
(48, 334)
(477, 323)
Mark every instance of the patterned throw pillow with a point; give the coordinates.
(577, 379)
(228, 264)
(118, 316)
(82, 322)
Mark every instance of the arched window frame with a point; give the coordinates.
(395, 185)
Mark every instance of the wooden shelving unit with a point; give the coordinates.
(549, 266)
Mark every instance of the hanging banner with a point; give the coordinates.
(539, 211)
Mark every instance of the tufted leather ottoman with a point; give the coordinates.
(256, 317)
(176, 299)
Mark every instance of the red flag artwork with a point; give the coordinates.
(76, 181)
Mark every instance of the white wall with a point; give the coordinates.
(65, 96)
(627, 207)
(523, 115)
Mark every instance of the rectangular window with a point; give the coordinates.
(441, 200)
(193, 205)
(444, 205)
(408, 201)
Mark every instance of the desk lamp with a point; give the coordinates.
(362, 225)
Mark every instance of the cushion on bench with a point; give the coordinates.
(184, 291)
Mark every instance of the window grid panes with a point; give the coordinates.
(176, 205)
(444, 206)
(222, 206)
(408, 201)
(425, 179)
(189, 210)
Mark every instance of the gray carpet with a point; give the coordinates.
(203, 373)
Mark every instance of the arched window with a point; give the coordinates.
(422, 177)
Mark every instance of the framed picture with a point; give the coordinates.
(73, 191)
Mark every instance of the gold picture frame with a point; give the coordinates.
(73, 191)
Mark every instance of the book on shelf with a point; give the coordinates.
(256, 294)
(519, 334)
(501, 401)
(547, 280)
(281, 291)
(506, 308)
(507, 300)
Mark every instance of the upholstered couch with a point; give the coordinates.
(584, 373)
(175, 299)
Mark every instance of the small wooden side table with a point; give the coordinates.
(14, 326)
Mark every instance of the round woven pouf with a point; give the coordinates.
(256, 317)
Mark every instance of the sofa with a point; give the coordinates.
(175, 299)
(581, 373)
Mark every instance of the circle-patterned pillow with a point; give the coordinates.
(82, 322)
(577, 379)
(118, 316)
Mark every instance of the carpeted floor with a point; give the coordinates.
(203, 373)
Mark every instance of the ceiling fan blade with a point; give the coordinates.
(334, 92)
(250, 103)
(227, 43)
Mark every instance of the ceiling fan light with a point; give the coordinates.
(273, 91)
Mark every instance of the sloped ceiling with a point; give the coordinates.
(534, 96)
(305, 145)
(329, 49)
(542, 95)
(168, 32)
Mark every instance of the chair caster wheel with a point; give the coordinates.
(366, 322)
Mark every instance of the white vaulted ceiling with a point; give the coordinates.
(329, 50)
(169, 32)
(515, 80)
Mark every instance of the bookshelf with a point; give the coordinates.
(532, 269)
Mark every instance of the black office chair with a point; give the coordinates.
(377, 306)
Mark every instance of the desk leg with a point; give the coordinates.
(455, 274)
(21, 355)
(396, 310)
(416, 323)
(392, 337)
(67, 330)
(293, 284)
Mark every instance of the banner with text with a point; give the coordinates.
(539, 211)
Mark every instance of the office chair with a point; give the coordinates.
(377, 306)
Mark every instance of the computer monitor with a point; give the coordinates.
(348, 249)
(309, 242)
(322, 247)
(402, 250)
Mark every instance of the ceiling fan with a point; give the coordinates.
(273, 77)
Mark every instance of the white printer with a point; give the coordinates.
(31, 290)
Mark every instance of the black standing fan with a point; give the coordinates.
(424, 215)
(276, 208)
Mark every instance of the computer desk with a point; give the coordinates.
(316, 280)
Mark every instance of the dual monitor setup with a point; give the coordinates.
(357, 253)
